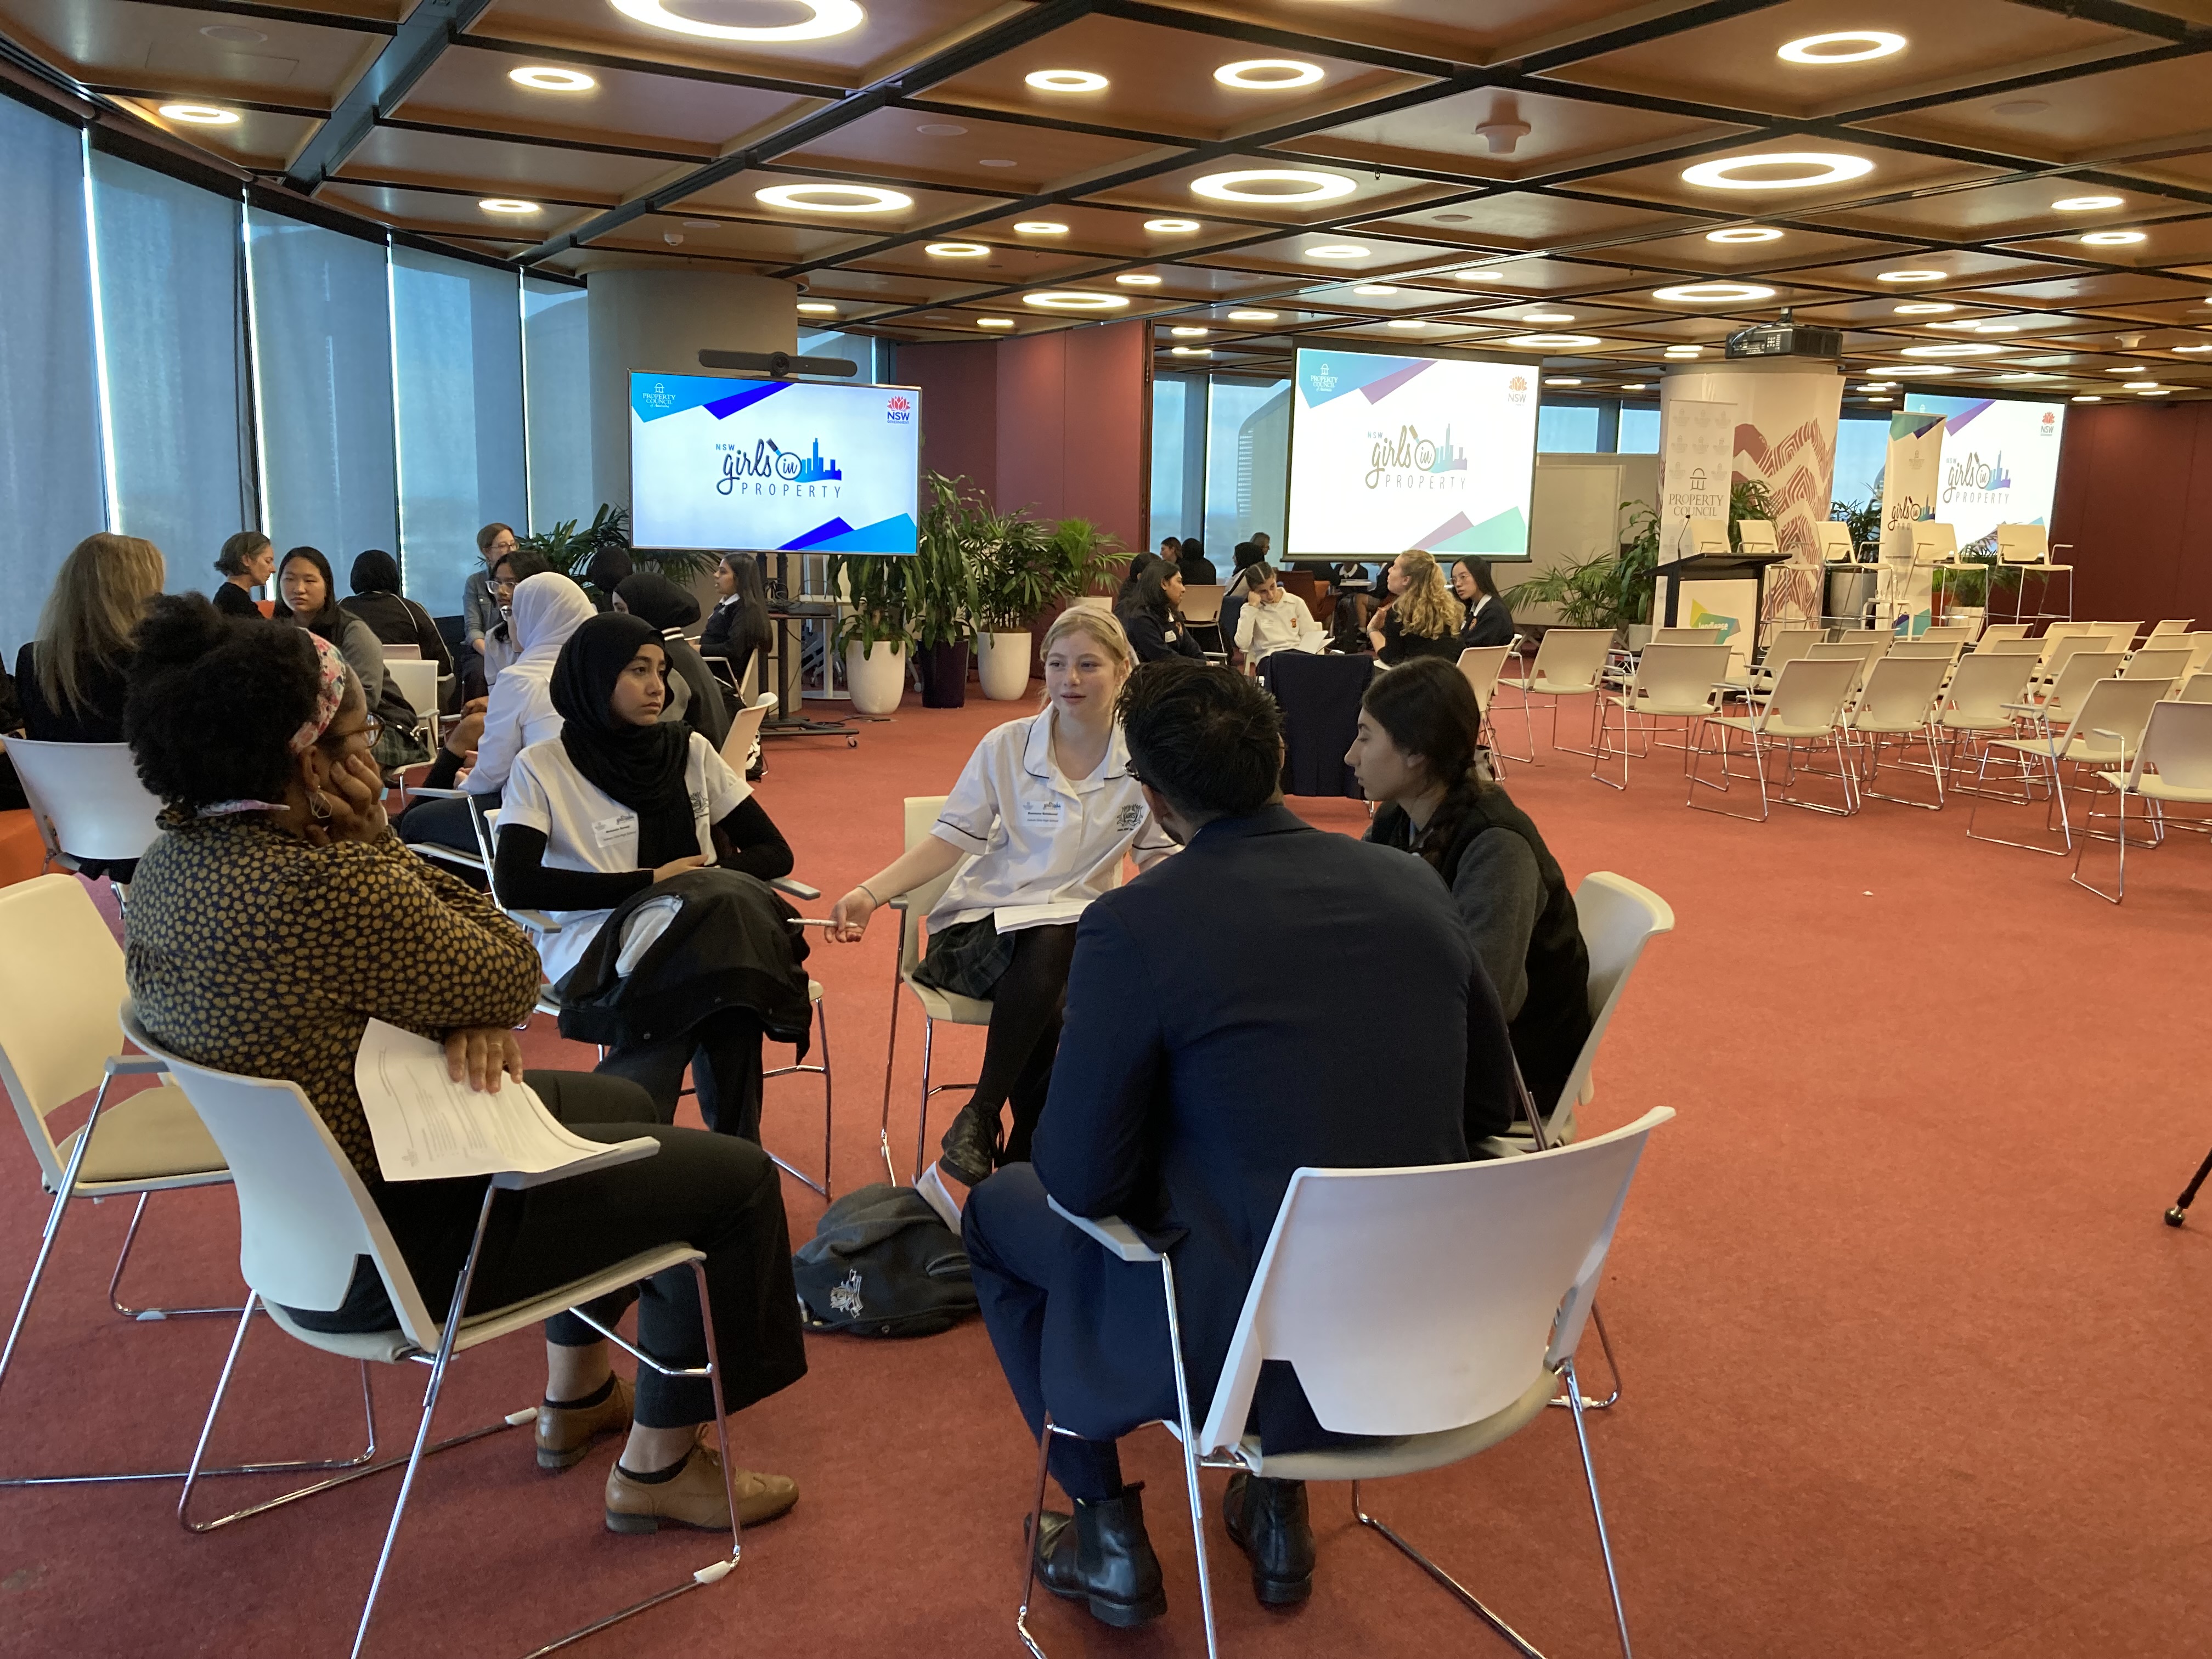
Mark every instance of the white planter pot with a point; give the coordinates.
(876, 680)
(1639, 636)
(1003, 662)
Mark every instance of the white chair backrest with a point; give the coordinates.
(1569, 659)
(2083, 669)
(1617, 918)
(2177, 745)
(2200, 650)
(303, 1213)
(90, 795)
(2013, 645)
(1902, 690)
(1687, 635)
(921, 812)
(2005, 631)
(417, 681)
(402, 652)
(2059, 651)
(744, 730)
(1791, 643)
(1986, 681)
(1810, 693)
(1481, 665)
(1963, 632)
(2198, 688)
(2172, 625)
(1380, 1350)
(1923, 647)
(61, 981)
(1680, 676)
(2072, 630)
(2119, 636)
(2118, 706)
(2161, 665)
(1202, 604)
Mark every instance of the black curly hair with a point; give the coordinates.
(1207, 738)
(214, 702)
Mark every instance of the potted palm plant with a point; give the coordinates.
(1024, 567)
(943, 587)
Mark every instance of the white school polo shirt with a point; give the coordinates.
(1041, 846)
(586, 829)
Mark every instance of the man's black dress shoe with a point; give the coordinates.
(1108, 1562)
(1266, 1519)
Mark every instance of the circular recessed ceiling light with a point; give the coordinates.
(1375, 290)
(2123, 369)
(1273, 184)
(1171, 227)
(1137, 279)
(1065, 80)
(957, 251)
(1270, 316)
(1337, 251)
(1712, 292)
(1971, 324)
(825, 18)
(833, 198)
(2086, 398)
(1552, 342)
(2194, 348)
(1997, 328)
(1910, 276)
(234, 34)
(940, 130)
(1187, 332)
(994, 322)
(994, 161)
(1075, 300)
(1039, 227)
(1924, 308)
(1805, 169)
(1923, 368)
(1499, 276)
(2112, 238)
(552, 80)
(1745, 233)
(1407, 322)
(201, 115)
(1268, 74)
(1844, 46)
(2087, 204)
(1547, 316)
(1559, 380)
(2026, 374)
(1885, 399)
(506, 204)
(1952, 348)
(1636, 386)
(1190, 351)
(2139, 386)
(817, 308)
(2161, 392)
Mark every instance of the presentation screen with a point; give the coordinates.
(1393, 452)
(773, 466)
(1999, 463)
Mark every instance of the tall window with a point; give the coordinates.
(1862, 452)
(1639, 430)
(1247, 446)
(457, 353)
(323, 350)
(1568, 428)
(556, 354)
(170, 302)
(50, 450)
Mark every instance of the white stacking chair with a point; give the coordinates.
(1981, 701)
(2172, 626)
(2106, 728)
(1570, 662)
(1861, 647)
(1943, 650)
(417, 681)
(61, 982)
(1963, 632)
(2119, 636)
(87, 799)
(2011, 647)
(1899, 702)
(2060, 649)
(2200, 650)
(1993, 631)
(304, 1219)
(2172, 766)
(1479, 665)
(2062, 695)
(745, 733)
(1787, 646)
(1805, 708)
(1438, 1367)
(2197, 688)
(1712, 636)
(402, 652)
(1679, 682)
(913, 906)
(2157, 663)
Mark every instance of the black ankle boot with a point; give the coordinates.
(970, 1146)
(1110, 1563)
(1266, 1520)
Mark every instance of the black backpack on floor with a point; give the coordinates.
(881, 1263)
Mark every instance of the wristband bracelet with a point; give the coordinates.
(871, 892)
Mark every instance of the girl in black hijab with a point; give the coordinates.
(391, 616)
(660, 602)
(621, 801)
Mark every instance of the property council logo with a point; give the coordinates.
(660, 397)
(898, 408)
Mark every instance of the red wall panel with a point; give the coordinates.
(959, 408)
(2135, 499)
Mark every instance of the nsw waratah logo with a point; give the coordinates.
(2049, 423)
(898, 408)
(1516, 389)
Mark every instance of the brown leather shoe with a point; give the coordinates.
(565, 1433)
(695, 1497)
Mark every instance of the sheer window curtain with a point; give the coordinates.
(323, 356)
(170, 302)
(50, 476)
(457, 349)
(557, 355)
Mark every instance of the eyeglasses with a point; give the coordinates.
(372, 728)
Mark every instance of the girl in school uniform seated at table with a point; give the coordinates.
(618, 803)
(1151, 615)
(1044, 812)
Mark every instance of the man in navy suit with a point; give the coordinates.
(1273, 996)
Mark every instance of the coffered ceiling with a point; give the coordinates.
(2001, 195)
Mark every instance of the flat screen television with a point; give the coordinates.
(728, 465)
(1389, 453)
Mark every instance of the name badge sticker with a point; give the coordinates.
(605, 831)
(1042, 814)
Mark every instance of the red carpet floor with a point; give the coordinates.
(1913, 1367)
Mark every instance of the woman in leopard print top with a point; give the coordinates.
(277, 914)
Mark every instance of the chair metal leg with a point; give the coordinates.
(821, 1187)
(115, 1281)
(890, 1060)
(1189, 1437)
(922, 1112)
(1597, 1507)
(2088, 836)
(54, 1227)
(1029, 1542)
(1467, 1597)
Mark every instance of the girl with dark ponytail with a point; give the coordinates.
(1419, 755)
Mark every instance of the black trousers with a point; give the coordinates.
(1026, 1004)
(1013, 1238)
(724, 1053)
(719, 1194)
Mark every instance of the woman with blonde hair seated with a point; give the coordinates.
(1037, 826)
(1422, 618)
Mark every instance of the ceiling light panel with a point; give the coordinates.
(826, 20)
(1066, 80)
(1796, 169)
(200, 115)
(1843, 46)
(1273, 186)
(828, 198)
(1268, 74)
(544, 79)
